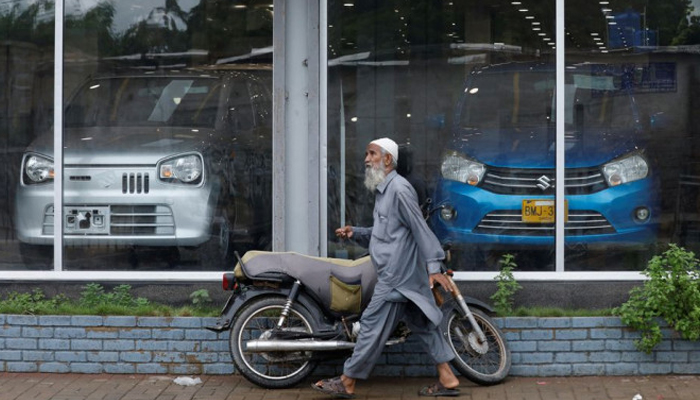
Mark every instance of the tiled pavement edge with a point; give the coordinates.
(38, 386)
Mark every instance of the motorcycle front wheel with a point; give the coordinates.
(483, 363)
(271, 370)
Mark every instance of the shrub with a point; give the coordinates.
(671, 293)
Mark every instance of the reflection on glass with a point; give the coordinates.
(642, 127)
(167, 139)
(398, 69)
(26, 106)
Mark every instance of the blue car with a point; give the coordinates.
(497, 182)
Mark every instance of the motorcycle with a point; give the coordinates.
(287, 312)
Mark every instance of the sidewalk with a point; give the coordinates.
(36, 386)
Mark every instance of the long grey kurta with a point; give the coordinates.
(404, 251)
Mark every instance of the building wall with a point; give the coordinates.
(181, 345)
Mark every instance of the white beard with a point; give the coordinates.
(374, 175)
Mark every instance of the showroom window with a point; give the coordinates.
(165, 141)
(469, 91)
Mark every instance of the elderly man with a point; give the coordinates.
(408, 259)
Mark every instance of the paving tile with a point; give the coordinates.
(43, 386)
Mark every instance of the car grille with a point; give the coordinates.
(541, 181)
(509, 222)
(141, 220)
(135, 183)
(129, 220)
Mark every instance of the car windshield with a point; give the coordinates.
(524, 99)
(145, 101)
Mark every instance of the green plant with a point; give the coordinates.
(32, 303)
(94, 295)
(506, 286)
(200, 298)
(671, 293)
(95, 300)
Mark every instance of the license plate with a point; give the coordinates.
(541, 211)
(86, 220)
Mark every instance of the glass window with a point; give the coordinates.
(467, 90)
(26, 110)
(159, 125)
(634, 127)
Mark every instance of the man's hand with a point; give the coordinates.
(344, 232)
(441, 280)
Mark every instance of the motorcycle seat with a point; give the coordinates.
(313, 272)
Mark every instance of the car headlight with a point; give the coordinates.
(37, 169)
(627, 169)
(457, 167)
(185, 169)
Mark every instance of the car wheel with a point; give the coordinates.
(36, 257)
(217, 250)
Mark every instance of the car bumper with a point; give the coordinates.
(111, 209)
(606, 217)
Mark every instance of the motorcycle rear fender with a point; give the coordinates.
(238, 300)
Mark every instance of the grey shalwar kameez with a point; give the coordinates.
(400, 245)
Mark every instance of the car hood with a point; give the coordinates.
(535, 148)
(120, 146)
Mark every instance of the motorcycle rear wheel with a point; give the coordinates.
(487, 365)
(271, 370)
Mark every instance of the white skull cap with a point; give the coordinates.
(388, 145)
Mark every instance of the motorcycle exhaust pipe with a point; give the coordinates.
(297, 345)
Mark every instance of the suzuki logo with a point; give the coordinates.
(544, 183)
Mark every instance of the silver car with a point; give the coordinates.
(178, 158)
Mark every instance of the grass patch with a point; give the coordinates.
(95, 300)
(559, 312)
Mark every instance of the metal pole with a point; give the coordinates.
(560, 140)
(58, 137)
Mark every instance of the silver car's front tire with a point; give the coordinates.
(34, 256)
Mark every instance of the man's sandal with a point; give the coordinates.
(436, 390)
(333, 387)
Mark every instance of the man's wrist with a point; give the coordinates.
(434, 267)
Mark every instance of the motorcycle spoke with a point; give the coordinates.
(487, 363)
(273, 365)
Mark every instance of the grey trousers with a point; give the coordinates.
(378, 323)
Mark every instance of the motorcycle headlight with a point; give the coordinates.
(458, 167)
(627, 169)
(185, 169)
(37, 169)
